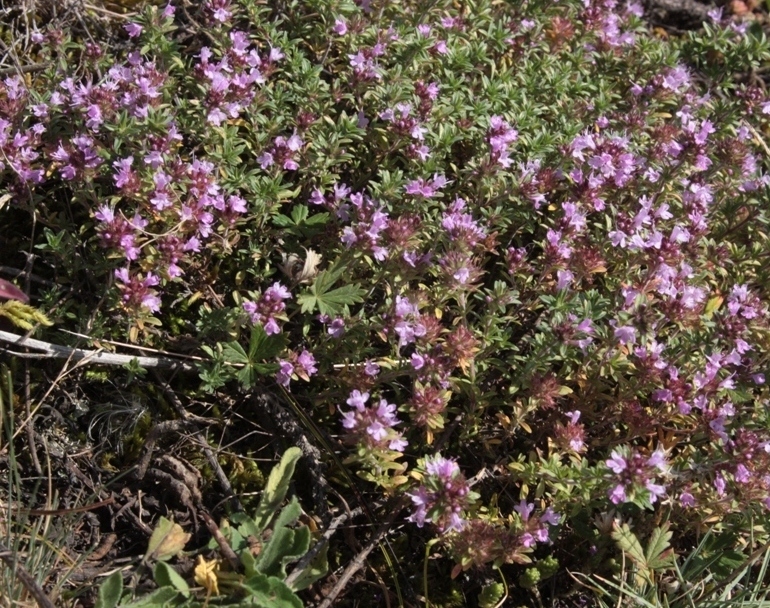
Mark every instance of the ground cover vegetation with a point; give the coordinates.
(498, 270)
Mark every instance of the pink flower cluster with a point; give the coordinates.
(185, 195)
(372, 426)
(536, 529)
(231, 82)
(19, 151)
(500, 137)
(367, 226)
(268, 308)
(635, 473)
(302, 366)
(404, 123)
(282, 153)
(138, 292)
(442, 497)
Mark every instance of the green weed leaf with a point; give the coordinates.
(276, 488)
(270, 592)
(659, 554)
(110, 591)
(166, 576)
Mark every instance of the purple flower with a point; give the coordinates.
(658, 460)
(408, 325)
(417, 361)
(336, 328)
(617, 494)
(564, 279)
(371, 369)
(372, 427)
(625, 334)
(720, 485)
(550, 517)
(137, 292)
(358, 400)
(524, 509)
(133, 29)
(340, 27)
(270, 304)
(307, 362)
(656, 491)
(283, 376)
(443, 495)
(616, 462)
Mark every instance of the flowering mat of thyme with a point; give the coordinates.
(489, 279)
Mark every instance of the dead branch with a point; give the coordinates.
(54, 351)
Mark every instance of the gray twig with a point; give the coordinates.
(322, 542)
(54, 351)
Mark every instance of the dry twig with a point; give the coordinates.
(54, 351)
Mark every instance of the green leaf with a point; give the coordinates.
(282, 221)
(159, 597)
(299, 214)
(317, 219)
(288, 515)
(276, 488)
(330, 302)
(246, 525)
(166, 576)
(659, 554)
(285, 545)
(262, 346)
(110, 591)
(234, 353)
(628, 543)
(269, 592)
(315, 570)
(249, 563)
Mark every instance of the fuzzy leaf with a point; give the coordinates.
(166, 576)
(285, 545)
(269, 592)
(276, 488)
(110, 591)
(315, 570)
(159, 597)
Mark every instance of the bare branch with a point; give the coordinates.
(55, 351)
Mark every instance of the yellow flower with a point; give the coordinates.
(206, 575)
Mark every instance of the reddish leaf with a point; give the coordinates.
(9, 291)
